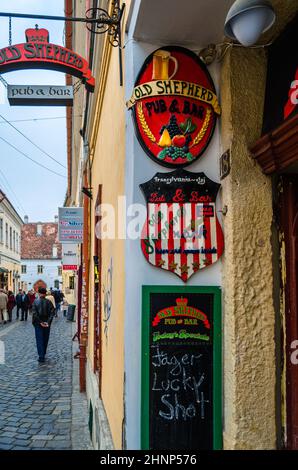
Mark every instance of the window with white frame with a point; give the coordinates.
(39, 269)
(24, 268)
(1, 230)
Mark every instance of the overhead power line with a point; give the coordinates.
(29, 158)
(33, 143)
(3, 81)
(40, 119)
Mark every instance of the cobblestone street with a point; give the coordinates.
(36, 399)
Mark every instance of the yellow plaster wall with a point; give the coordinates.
(108, 157)
(249, 317)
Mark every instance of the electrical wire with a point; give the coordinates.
(29, 158)
(33, 143)
(40, 119)
(3, 81)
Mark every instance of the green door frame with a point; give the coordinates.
(217, 358)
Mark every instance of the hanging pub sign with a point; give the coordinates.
(174, 106)
(181, 233)
(40, 95)
(38, 53)
(181, 368)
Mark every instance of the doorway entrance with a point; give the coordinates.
(289, 221)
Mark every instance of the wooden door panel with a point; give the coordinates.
(289, 212)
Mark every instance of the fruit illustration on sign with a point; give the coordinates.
(174, 106)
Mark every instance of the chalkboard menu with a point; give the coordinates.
(181, 364)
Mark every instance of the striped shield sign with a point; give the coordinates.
(181, 233)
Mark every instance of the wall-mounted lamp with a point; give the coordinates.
(248, 19)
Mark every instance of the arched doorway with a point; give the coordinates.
(38, 284)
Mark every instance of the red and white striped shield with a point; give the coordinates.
(182, 233)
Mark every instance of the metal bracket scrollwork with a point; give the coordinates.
(99, 21)
(103, 22)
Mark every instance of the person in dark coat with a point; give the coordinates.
(10, 304)
(25, 306)
(32, 297)
(57, 296)
(19, 298)
(42, 316)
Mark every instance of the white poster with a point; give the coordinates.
(69, 257)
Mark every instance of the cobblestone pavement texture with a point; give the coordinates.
(36, 398)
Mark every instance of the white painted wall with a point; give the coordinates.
(10, 255)
(50, 272)
(139, 169)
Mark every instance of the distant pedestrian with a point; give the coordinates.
(25, 306)
(32, 297)
(51, 298)
(10, 304)
(19, 298)
(57, 296)
(3, 306)
(65, 306)
(42, 316)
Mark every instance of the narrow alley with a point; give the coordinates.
(38, 404)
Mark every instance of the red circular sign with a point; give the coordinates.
(174, 106)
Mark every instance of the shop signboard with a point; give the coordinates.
(43, 95)
(69, 257)
(70, 224)
(181, 368)
(174, 106)
(181, 233)
(281, 100)
(38, 53)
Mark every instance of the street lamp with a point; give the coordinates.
(248, 19)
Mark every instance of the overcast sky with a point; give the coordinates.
(32, 190)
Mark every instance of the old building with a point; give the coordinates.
(10, 245)
(40, 256)
(246, 397)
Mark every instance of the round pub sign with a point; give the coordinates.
(174, 106)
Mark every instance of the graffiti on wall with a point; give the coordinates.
(107, 298)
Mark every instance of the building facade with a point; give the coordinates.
(252, 154)
(41, 256)
(10, 245)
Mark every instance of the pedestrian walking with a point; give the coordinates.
(10, 304)
(42, 316)
(3, 306)
(32, 297)
(25, 306)
(64, 306)
(57, 296)
(51, 298)
(19, 298)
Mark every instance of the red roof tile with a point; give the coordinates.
(34, 246)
